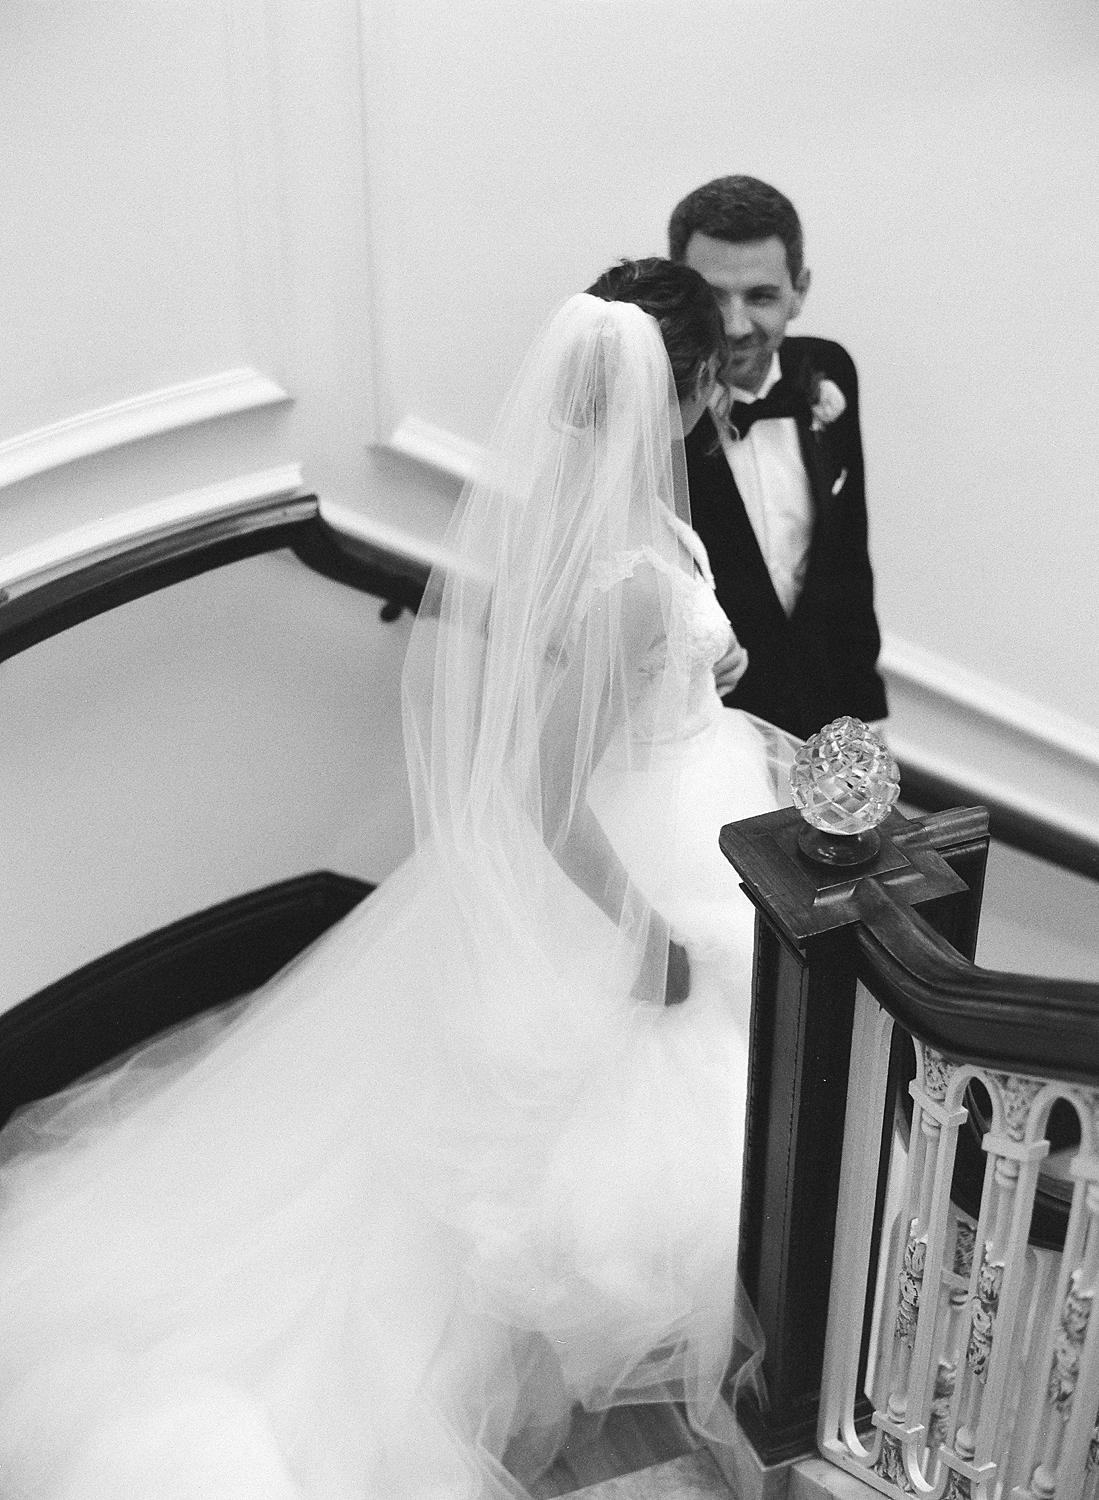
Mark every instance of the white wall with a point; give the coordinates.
(327, 229)
(186, 237)
(374, 214)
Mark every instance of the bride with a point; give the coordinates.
(461, 1166)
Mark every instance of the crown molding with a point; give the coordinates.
(142, 416)
(33, 565)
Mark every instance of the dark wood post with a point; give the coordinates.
(804, 993)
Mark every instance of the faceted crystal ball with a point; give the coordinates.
(843, 779)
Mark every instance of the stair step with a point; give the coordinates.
(694, 1476)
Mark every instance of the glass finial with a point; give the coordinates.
(844, 783)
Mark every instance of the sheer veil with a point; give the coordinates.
(457, 1167)
(531, 646)
(548, 647)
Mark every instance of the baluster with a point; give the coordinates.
(1064, 1371)
(983, 1310)
(934, 1135)
(925, 1135)
(910, 1288)
(991, 1360)
(1020, 1418)
(1073, 1357)
(926, 1130)
(956, 1296)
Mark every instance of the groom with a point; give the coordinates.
(776, 484)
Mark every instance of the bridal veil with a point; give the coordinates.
(458, 1167)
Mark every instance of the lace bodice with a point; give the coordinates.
(698, 634)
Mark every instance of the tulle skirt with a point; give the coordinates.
(386, 1223)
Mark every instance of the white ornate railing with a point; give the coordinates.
(922, 1257)
(984, 1375)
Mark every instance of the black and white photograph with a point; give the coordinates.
(549, 750)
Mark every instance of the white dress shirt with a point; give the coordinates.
(774, 486)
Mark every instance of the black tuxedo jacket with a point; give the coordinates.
(821, 662)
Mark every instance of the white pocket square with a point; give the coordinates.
(840, 482)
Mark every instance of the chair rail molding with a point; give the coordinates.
(930, 673)
(145, 415)
(31, 566)
(1009, 748)
(358, 526)
(446, 453)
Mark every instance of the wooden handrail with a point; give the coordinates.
(47, 602)
(1010, 1022)
(194, 964)
(1014, 826)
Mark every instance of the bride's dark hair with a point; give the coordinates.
(682, 303)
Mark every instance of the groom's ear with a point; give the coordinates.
(801, 290)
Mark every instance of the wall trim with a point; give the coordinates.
(437, 448)
(358, 525)
(960, 688)
(1004, 747)
(31, 566)
(142, 416)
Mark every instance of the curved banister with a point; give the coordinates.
(49, 589)
(1011, 1022)
(197, 963)
(243, 502)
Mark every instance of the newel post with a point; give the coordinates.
(803, 1004)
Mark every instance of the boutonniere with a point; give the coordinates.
(827, 403)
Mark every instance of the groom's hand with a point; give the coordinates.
(730, 668)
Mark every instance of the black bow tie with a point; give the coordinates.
(782, 400)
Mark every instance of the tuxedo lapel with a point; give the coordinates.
(720, 516)
(822, 472)
(819, 471)
(794, 364)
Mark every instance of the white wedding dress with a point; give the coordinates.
(392, 1218)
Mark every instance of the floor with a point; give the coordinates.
(695, 1476)
(629, 1439)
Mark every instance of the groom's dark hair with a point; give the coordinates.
(738, 209)
(682, 303)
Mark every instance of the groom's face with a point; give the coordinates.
(757, 297)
